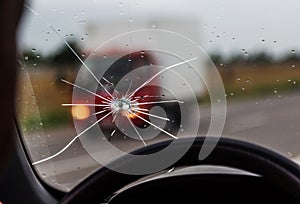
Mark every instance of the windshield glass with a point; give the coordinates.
(99, 79)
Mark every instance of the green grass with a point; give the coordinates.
(49, 119)
(255, 91)
(262, 90)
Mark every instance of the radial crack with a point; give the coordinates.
(71, 142)
(72, 50)
(97, 113)
(84, 89)
(85, 104)
(155, 116)
(158, 73)
(137, 132)
(155, 102)
(155, 126)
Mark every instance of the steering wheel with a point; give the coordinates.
(270, 166)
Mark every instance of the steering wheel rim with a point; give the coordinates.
(228, 152)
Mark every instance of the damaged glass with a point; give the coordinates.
(99, 79)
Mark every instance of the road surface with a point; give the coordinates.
(271, 121)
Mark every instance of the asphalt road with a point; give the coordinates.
(271, 121)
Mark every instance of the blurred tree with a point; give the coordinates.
(261, 57)
(216, 58)
(31, 58)
(63, 56)
(236, 58)
(292, 58)
(64, 61)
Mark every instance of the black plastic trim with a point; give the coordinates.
(275, 168)
(19, 183)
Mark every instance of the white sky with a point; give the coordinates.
(248, 22)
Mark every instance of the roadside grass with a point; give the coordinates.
(48, 119)
(241, 82)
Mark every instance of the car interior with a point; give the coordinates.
(138, 112)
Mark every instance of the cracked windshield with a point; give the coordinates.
(99, 79)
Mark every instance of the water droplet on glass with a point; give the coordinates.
(293, 66)
(33, 49)
(275, 91)
(293, 51)
(290, 154)
(153, 26)
(41, 124)
(26, 57)
(130, 20)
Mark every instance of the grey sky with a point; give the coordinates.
(224, 25)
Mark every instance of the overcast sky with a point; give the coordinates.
(224, 25)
